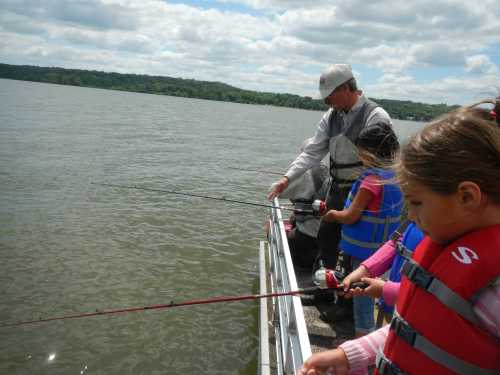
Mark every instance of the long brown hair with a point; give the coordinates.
(462, 146)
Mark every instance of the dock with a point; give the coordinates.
(290, 330)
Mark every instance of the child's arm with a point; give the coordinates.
(381, 260)
(351, 214)
(374, 266)
(352, 355)
(390, 292)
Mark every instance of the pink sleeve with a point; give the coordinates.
(373, 184)
(390, 292)
(381, 260)
(362, 352)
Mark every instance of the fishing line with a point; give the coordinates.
(256, 170)
(224, 199)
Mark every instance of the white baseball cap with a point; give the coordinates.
(333, 77)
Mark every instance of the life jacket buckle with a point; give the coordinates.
(386, 367)
(400, 248)
(403, 330)
(417, 275)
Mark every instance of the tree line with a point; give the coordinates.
(190, 88)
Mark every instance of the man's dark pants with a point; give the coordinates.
(329, 233)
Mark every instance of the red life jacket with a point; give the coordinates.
(436, 335)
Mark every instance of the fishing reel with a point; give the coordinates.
(325, 278)
(316, 208)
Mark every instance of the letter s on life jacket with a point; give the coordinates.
(466, 255)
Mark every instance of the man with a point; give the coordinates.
(302, 238)
(350, 111)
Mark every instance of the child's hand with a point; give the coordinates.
(330, 216)
(374, 288)
(354, 276)
(334, 361)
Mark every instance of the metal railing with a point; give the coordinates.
(287, 316)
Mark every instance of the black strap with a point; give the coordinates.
(417, 275)
(335, 165)
(386, 367)
(403, 250)
(337, 180)
(407, 333)
(404, 330)
(401, 229)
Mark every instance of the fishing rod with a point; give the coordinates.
(171, 304)
(316, 208)
(256, 170)
(331, 284)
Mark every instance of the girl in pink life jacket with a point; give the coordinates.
(446, 319)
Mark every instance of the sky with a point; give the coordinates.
(431, 51)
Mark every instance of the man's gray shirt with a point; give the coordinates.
(337, 144)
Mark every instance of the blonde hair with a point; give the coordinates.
(462, 146)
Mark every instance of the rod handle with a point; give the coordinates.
(359, 284)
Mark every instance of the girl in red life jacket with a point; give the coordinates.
(446, 319)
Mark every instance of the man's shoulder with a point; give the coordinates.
(378, 114)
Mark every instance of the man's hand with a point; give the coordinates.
(277, 188)
(334, 361)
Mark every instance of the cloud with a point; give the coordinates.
(85, 13)
(401, 48)
(480, 64)
(440, 54)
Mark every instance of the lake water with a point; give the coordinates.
(68, 246)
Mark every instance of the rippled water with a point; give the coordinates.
(68, 246)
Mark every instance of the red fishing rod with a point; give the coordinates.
(171, 304)
(316, 208)
(330, 283)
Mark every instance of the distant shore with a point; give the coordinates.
(190, 88)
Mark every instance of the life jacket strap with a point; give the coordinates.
(363, 244)
(403, 250)
(407, 333)
(401, 229)
(380, 220)
(335, 165)
(386, 367)
(343, 182)
(427, 281)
